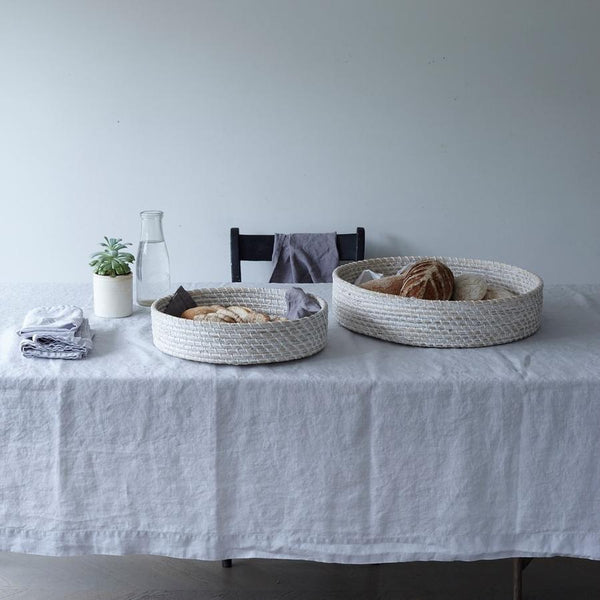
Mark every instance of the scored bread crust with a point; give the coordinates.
(469, 286)
(428, 280)
(228, 315)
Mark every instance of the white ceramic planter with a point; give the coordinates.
(113, 296)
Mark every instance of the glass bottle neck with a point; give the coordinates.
(151, 226)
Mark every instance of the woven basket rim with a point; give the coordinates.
(216, 325)
(421, 302)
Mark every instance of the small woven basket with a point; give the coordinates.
(437, 323)
(240, 343)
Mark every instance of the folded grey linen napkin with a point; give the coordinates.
(300, 304)
(304, 257)
(55, 332)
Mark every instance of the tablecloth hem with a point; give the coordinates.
(247, 547)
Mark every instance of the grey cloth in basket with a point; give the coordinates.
(300, 304)
(304, 257)
(55, 332)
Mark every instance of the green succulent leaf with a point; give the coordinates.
(111, 261)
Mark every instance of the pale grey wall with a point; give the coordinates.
(462, 127)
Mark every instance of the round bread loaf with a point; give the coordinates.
(428, 280)
(498, 292)
(469, 287)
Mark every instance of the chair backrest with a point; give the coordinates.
(351, 246)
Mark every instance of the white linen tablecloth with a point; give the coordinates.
(366, 452)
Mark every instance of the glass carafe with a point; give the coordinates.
(153, 274)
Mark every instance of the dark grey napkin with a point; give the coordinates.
(300, 304)
(180, 301)
(304, 257)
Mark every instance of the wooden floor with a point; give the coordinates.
(28, 577)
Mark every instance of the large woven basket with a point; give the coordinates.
(436, 323)
(240, 343)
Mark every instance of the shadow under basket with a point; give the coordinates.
(440, 323)
(240, 343)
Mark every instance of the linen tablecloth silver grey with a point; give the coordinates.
(366, 452)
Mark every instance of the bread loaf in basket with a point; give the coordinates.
(440, 323)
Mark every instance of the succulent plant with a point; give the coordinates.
(111, 261)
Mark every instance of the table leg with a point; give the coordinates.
(519, 565)
(227, 563)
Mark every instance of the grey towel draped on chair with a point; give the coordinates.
(304, 257)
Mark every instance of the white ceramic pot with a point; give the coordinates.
(113, 296)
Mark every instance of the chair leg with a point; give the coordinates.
(517, 579)
(227, 563)
(519, 565)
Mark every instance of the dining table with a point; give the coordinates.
(367, 452)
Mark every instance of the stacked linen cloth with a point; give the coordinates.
(55, 332)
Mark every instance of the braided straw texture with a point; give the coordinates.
(240, 343)
(437, 323)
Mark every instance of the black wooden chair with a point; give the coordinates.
(351, 246)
